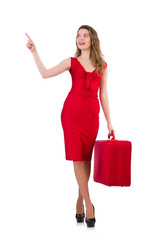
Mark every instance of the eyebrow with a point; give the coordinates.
(83, 33)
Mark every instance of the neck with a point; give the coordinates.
(85, 54)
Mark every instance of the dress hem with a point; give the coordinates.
(81, 160)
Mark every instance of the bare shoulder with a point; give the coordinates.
(105, 75)
(66, 63)
(59, 68)
(68, 60)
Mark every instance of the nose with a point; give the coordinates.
(81, 40)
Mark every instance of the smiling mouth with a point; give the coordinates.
(81, 43)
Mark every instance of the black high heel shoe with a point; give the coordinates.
(91, 221)
(80, 217)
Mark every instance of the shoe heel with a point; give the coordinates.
(91, 221)
(80, 217)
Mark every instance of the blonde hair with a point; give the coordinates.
(96, 55)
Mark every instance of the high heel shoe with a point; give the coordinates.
(91, 221)
(80, 217)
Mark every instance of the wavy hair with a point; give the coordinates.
(96, 55)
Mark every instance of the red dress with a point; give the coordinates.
(80, 113)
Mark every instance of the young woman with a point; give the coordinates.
(80, 112)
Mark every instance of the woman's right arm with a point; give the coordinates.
(46, 73)
(54, 71)
(39, 63)
(59, 68)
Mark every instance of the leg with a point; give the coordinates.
(79, 204)
(82, 177)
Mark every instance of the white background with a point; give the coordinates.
(38, 188)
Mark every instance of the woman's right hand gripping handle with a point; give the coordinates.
(30, 44)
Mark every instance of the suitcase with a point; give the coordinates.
(112, 162)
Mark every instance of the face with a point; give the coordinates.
(83, 37)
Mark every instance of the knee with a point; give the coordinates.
(78, 163)
(81, 163)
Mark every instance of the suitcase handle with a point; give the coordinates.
(111, 134)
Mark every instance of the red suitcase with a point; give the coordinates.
(112, 162)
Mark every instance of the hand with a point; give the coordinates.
(30, 44)
(110, 128)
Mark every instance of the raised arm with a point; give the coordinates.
(39, 63)
(46, 73)
(59, 68)
(54, 71)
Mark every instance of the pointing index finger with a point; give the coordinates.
(28, 36)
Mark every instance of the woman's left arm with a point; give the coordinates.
(103, 96)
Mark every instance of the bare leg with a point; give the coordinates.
(82, 178)
(79, 204)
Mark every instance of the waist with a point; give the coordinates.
(84, 93)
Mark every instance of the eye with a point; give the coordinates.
(84, 35)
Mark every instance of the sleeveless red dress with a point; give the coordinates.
(80, 113)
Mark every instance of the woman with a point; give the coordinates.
(80, 112)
